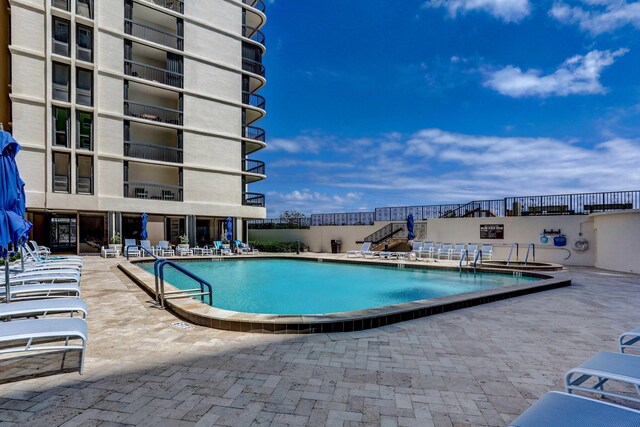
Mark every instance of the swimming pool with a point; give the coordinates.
(303, 287)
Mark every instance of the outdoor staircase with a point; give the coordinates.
(470, 210)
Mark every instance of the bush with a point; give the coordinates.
(278, 247)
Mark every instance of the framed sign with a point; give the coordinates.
(492, 231)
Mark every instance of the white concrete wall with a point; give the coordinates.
(618, 246)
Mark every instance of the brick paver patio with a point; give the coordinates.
(477, 366)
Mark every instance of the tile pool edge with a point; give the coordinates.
(204, 315)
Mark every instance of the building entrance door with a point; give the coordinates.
(63, 234)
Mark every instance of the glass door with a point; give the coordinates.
(63, 234)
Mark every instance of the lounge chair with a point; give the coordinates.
(555, 409)
(487, 252)
(242, 247)
(32, 256)
(182, 251)
(41, 290)
(45, 252)
(219, 248)
(473, 250)
(435, 250)
(45, 277)
(629, 339)
(106, 252)
(202, 251)
(604, 367)
(457, 251)
(131, 251)
(28, 331)
(444, 251)
(146, 244)
(426, 249)
(164, 249)
(43, 307)
(364, 248)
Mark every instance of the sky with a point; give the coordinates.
(374, 103)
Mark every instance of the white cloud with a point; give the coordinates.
(505, 10)
(578, 75)
(296, 145)
(598, 16)
(308, 201)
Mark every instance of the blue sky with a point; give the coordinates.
(390, 103)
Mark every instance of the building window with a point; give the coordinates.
(84, 130)
(61, 4)
(61, 127)
(84, 8)
(60, 37)
(61, 78)
(84, 181)
(61, 173)
(84, 85)
(84, 41)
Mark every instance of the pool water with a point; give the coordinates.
(278, 286)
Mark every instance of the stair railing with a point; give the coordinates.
(530, 247)
(511, 252)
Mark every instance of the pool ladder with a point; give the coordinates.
(465, 255)
(531, 248)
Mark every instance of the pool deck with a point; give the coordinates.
(471, 367)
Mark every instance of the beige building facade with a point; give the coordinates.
(131, 106)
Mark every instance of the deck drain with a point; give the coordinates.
(182, 325)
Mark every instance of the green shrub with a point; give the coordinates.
(278, 247)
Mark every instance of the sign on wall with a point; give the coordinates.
(492, 231)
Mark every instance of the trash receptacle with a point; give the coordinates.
(335, 246)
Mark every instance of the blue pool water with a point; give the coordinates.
(279, 286)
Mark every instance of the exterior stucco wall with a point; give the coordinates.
(618, 245)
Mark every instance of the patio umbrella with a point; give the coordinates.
(14, 229)
(229, 234)
(410, 225)
(145, 220)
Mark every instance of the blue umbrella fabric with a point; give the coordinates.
(410, 228)
(145, 220)
(229, 234)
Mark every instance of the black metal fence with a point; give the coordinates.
(140, 190)
(254, 100)
(277, 223)
(253, 34)
(253, 166)
(152, 112)
(152, 34)
(253, 132)
(353, 218)
(175, 5)
(142, 150)
(256, 4)
(252, 66)
(151, 73)
(253, 199)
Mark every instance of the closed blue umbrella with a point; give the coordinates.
(145, 220)
(410, 226)
(14, 229)
(229, 234)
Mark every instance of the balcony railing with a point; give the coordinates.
(253, 199)
(253, 67)
(254, 100)
(160, 153)
(175, 5)
(253, 166)
(151, 73)
(153, 113)
(140, 190)
(253, 34)
(253, 132)
(152, 34)
(256, 4)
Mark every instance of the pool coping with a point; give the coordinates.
(205, 315)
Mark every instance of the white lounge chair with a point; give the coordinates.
(487, 252)
(629, 339)
(146, 244)
(182, 251)
(106, 252)
(46, 278)
(364, 248)
(444, 251)
(44, 307)
(426, 250)
(435, 250)
(604, 367)
(129, 248)
(45, 252)
(457, 251)
(555, 409)
(472, 248)
(164, 248)
(40, 291)
(31, 256)
(202, 251)
(28, 331)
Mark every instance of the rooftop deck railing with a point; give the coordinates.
(153, 34)
(153, 113)
(253, 67)
(153, 74)
(253, 199)
(141, 190)
(253, 166)
(254, 100)
(253, 132)
(277, 223)
(253, 34)
(175, 5)
(160, 153)
(256, 4)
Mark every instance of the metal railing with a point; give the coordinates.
(256, 4)
(161, 153)
(465, 255)
(254, 100)
(389, 230)
(162, 295)
(572, 204)
(253, 132)
(153, 74)
(277, 223)
(253, 34)
(253, 199)
(477, 209)
(253, 166)
(141, 190)
(153, 113)
(530, 247)
(175, 5)
(475, 261)
(350, 218)
(511, 252)
(152, 34)
(252, 66)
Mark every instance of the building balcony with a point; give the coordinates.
(253, 34)
(152, 113)
(255, 138)
(257, 104)
(140, 190)
(152, 34)
(153, 74)
(253, 199)
(174, 5)
(253, 100)
(146, 151)
(256, 4)
(254, 67)
(254, 167)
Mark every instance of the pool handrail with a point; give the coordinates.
(511, 251)
(158, 266)
(530, 246)
(475, 261)
(465, 254)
